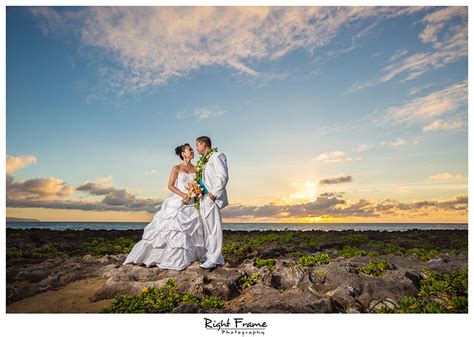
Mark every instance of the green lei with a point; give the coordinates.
(199, 166)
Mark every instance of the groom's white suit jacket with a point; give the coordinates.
(215, 176)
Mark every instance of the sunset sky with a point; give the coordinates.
(325, 114)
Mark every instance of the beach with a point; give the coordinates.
(265, 271)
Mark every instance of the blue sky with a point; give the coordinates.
(321, 117)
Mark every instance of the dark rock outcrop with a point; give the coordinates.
(339, 286)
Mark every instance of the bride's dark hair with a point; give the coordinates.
(180, 149)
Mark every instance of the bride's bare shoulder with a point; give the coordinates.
(175, 168)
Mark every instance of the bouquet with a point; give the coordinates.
(194, 190)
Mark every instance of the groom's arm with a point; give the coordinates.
(222, 175)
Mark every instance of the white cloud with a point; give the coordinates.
(446, 176)
(364, 147)
(45, 188)
(398, 142)
(401, 190)
(180, 114)
(336, 156)
(436, 21)
(29, 189)
(15, 163)
(206, 113)
(417, 89)
(104, 180)
(424, 109)
(152, 45)
(330, 155)
(446, 49)
(49, 192)
(437, 125)
(449, 102)
(153, 171)
(398, 54)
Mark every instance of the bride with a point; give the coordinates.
(175, 237)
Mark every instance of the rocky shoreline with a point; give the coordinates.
(271, 272)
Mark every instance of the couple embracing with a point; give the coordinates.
(188, 226)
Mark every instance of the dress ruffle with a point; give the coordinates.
(173, 239)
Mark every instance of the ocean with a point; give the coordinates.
(247, 226)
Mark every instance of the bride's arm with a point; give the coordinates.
(173, 176)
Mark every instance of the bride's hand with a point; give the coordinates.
(186, 199)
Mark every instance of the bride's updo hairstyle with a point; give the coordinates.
(180, 149)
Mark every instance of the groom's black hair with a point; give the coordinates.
(206, 140)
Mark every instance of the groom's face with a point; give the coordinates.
(201, 147)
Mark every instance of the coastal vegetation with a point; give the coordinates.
(439, 293)
(160, 300)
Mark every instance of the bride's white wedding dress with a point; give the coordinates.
(175, 237)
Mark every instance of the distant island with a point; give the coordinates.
(21, 220)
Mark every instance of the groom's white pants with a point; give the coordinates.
(212, 221)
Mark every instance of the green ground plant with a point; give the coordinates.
(269, 263)
(51, 250)
(349, 251)
(99, 246)
(374, 268)
(13, 252)
(355, 239)
(307, 260)
(373, 253)
(450, 288)
(423, 253)
(159, 300)
(248, 281)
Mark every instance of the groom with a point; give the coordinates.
(214, 180)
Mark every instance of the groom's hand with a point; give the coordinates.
(213, 198)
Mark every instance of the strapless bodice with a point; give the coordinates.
(183, 179)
